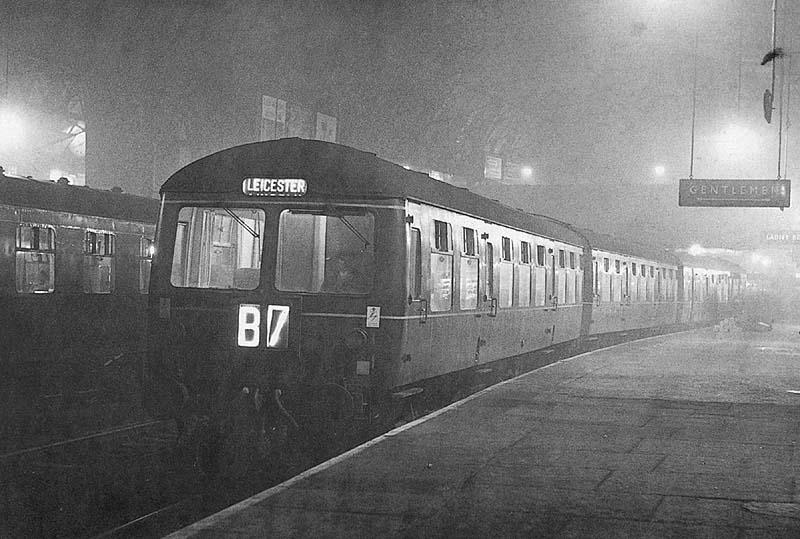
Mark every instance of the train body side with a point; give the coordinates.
(74, 290)
(244, 299)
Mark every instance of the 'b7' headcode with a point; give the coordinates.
(249, 332)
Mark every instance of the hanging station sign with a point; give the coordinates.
(735, 193)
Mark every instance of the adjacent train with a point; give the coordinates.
(300, 284)
(74, 277)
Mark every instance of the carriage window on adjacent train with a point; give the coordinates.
(146, 251)
(330, 252)
(98, 262)
(218, 248)
(540, 255)
(35, 259)
(470, 242)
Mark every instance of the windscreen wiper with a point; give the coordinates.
(242, 223)
(354, 230)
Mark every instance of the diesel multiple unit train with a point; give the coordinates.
(74, 276)
(300, 284)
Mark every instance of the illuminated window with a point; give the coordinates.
(98, 262)
(221, 248)
(146, 250)
(35, 259)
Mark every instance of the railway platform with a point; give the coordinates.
(686, 435)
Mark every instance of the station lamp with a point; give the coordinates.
(12, 127)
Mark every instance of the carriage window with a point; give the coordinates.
(98, 262)
(525, 252)
(606, 264)
(571, 260)
(415, 263)
(540, 255)
(146, 250)
(219, 248)
(633, 268)
(468, 278)
(329, 253)
(616, 266)
(489, 270)
(469, 242)
(562, 258)
(506, 248)
(35, 259)
(441, 232)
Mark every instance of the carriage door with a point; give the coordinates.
(487, 300)
(627, 298)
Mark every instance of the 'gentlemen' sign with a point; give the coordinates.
(739, 193)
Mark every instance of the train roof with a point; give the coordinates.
(710, 262)
(612, 244)
(341, 172)
(30, 193)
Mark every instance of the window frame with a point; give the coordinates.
(34, 248)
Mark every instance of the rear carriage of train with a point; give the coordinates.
(635, 287)
(711, 289)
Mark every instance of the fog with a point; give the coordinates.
(596, 97)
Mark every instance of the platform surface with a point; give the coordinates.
(680, 436)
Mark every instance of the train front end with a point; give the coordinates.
(259, 337)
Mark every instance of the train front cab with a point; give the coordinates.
(283, 311)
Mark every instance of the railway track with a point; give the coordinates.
(130, 481)
(82, 486)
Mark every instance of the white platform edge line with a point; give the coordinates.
(212, 520)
